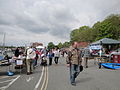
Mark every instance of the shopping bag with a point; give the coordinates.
(81, 68)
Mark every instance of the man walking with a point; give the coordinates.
(29, 60)
(56, 55)
(86, 55)
(74, 61)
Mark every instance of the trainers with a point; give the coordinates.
(74, 84)
(86, 66)
(31, 72)
(28, 73)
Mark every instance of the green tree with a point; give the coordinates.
(108, 28)
(66, 44)
(115, 25)
(60, 45)
(50, 45)
(74, 35)
(81, 34)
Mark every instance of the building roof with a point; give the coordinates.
(83, 44)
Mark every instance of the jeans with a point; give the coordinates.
(74, 72)
(50, 61)
(34, 62)
(56, 60)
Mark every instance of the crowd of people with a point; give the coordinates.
(74, 57)
(31, 55)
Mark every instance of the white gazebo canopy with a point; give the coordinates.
(40, 47)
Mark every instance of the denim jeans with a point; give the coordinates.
(34, 62)
(56, 60)
(74, 72)
(50, 61)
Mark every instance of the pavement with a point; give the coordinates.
(56, 77)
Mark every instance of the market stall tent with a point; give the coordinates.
(39, 47)
(106, 41)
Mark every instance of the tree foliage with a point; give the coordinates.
(50, 45)
(108, 28)
(66, 44)
(60, 45)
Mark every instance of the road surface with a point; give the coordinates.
(56, 77)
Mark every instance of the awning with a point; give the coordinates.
(106, 41)
(41, 47)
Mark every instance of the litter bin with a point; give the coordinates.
(116, 58)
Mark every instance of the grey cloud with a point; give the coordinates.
(56, 17)
(49, 20)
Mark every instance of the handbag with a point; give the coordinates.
(81, 68)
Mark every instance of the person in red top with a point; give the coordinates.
(37, 56)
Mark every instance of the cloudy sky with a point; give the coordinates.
(26, 21)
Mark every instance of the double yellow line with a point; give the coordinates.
(45, 79)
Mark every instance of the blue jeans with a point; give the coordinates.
(34, 62)
(74, 72)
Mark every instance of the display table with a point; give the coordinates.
(103, 59)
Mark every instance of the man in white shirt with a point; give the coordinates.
(56, 55)
(29, 60)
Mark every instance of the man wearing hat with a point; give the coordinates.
(29, 60)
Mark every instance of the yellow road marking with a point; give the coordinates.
(46, 81)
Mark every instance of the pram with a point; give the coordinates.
(43, 60)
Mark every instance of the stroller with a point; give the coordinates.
(43, 60)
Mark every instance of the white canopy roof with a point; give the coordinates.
(40, 47)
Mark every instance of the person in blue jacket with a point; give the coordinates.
(50, 55)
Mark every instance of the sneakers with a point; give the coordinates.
(86, 67)
(28, 73)
(31, 72)
(74, 84)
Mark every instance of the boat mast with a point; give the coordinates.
(4, 42)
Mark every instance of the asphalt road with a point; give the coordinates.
(91, 78)
(56, 77)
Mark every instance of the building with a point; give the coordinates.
(35, 44)
(83, 44)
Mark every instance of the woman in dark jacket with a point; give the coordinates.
(17, 52)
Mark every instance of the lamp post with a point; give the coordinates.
(101, 49)
(100, 54)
